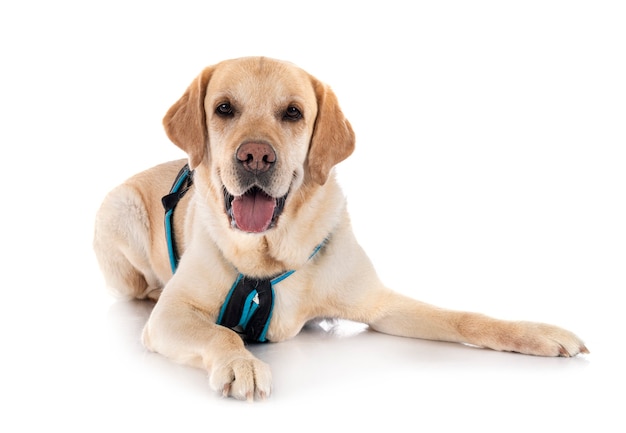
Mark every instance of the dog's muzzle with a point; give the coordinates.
(254, 211)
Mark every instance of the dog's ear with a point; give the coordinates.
(185, 121)
(333, 138)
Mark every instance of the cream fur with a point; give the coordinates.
(339, 282)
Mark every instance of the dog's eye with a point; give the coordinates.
(292, 113)
(224, 109)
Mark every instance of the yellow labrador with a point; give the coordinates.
(257, 240)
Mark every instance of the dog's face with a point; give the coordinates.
(260, 128)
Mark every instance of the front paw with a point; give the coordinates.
(543, 340)
(244, 378)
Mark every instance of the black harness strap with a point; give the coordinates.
(248, 307)
(182, 183)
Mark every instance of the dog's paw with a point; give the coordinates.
(244, 378)
(544, 340)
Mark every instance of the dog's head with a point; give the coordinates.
(261, 128)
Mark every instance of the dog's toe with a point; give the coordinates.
(242, 378)
(575, 348)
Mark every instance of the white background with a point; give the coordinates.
(488, 176)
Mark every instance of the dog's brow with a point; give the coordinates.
(222, 95)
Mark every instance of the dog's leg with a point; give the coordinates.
(403, 316)
(120, 241)
(184, 332)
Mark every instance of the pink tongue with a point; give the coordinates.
(253, 211)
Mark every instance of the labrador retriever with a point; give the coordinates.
(257, 240)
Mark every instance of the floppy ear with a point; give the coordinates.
(333, 138)
(185, 121)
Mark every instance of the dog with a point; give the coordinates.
(257, 239)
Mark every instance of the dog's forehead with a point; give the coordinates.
(260, 77)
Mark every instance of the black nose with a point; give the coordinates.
(256, 157)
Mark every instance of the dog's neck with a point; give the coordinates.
(284, 247)
(260, 256)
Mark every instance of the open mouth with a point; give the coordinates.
(254, 211)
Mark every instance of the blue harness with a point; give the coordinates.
(248, 306)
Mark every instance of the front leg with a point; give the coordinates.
(403, 316)
(182, 331)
